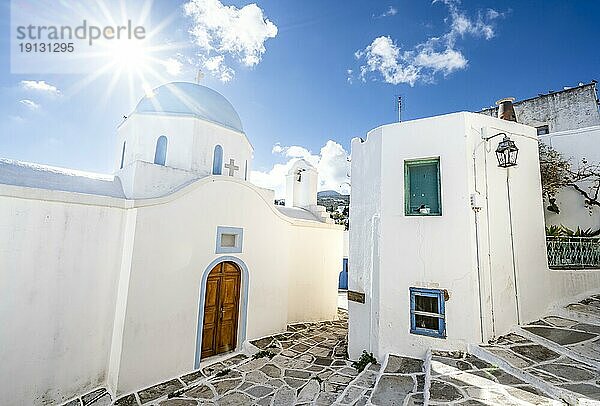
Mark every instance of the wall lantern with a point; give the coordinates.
(507, 152)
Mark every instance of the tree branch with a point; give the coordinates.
(593, 201)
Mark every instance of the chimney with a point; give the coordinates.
(506, 110)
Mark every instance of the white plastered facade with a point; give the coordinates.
(107, 291)
(575, 145)
(492, 261)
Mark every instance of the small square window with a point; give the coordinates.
(542, 130)
(427, 312)
(229, 240)
(422, 187)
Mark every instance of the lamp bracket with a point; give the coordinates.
(492, 136)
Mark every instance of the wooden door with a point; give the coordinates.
(221, 309)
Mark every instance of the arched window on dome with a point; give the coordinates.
(160, 155)
(123, 154)
(217, 160)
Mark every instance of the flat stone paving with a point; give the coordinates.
(560, 352)
(402, 382)
(308, 364)
(458, 378)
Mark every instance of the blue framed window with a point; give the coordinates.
(123, 154)
(422, 190)
(229, 239)
(428, 312)
(217, 160)
(160, 154)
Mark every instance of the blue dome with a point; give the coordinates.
(191, 99)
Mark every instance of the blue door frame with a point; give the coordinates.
(343, 282)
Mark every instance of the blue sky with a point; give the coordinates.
(298, 92)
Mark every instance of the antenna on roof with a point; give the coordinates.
(199, 76)
(399, 107)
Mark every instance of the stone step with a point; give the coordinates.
(400, 380)
(576, 340)
(360, 388)
(585, 311)
(466, 378)
(552, 372)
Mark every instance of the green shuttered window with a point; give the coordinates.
(422, 187)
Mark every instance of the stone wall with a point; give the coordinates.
(561, 111)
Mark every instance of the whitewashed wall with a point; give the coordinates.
(191, 143)
(575, 145)
(488, 292)
(175, 241)
(99, 291)
(59, 265)
(363, 260)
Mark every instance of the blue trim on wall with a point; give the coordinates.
(123, 154)
(343, 278)
(437, 293)
(243, 311)
(160, 155)
(239, 240)
(217, 160)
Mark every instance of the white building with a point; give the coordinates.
(446, 247)
(116, 280)
(575, 145)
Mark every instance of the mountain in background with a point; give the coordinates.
(336, 203)
(329, 193)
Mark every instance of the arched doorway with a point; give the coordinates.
(221, 309)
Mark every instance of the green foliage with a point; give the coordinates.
(554, 231)
(365, 359)
(562, 231)
(588, 232)
(263, 354)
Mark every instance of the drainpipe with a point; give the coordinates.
(478, 235)
(374, 265)
(476, 209)
(512, 248)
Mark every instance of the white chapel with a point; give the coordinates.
(126, 280)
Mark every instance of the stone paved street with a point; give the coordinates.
(552, 361)
(306, 365)
(560, 352)
(463, 379)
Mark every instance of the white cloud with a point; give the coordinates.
(30, 104)
(217, 68)
(172, 66)
(384, 59)
(384, 56)
(446, 61)
(331, 163)
(40, 85)
(220, 30)
(277, 149)
(492, 14)
(390, 12)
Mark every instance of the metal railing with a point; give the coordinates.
(573, 252)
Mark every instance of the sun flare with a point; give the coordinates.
(129, 55)
(141, 62)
